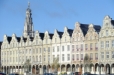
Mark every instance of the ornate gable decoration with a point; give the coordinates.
(107, 22)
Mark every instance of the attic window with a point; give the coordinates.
(106, 24)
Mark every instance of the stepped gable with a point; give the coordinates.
(84, 28)
(70, 31)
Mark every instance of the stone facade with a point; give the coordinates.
(70, 46)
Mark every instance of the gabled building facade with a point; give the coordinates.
(70, 47)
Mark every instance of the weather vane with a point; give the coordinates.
(28, 4)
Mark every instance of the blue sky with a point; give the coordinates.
(52, 14)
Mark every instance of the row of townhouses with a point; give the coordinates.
(69, 46)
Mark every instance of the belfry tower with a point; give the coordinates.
(28, 26)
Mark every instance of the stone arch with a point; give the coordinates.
(107, 68)
(68, 67)
(86, 68)
(112, 68)
(73, 68)
(5, 69)
(62, 67)
(77, 67)
(92, 68)
(44, 68)
(97, 68)
(37, 69)
(33, 69)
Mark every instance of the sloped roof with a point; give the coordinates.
(18, 39)
(112, 21)
(84, 28)
(51, 35)
(9, 39)
(41, 35)
(70, 31)
(0, 44)
(60, 34)
(97, 28)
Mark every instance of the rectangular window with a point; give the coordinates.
(62, 57)
(72, 47)
(40, 50)
(57, 48)
(96, 56)
(68, 47)
(44, 50)
(102, 55)
(91, 56)
(53, 49)
(86, 46)
(106, 32)
(62, 48)
(107, 54)
(48, 49)
(73, 57)
(48, 57)
(37, 50)
(107, 44)
(68, 57)
(112, 54)
(81, 47)
(102, 44)
(77, 47)
(96, 46)
(36, 58)
(53, 58)
(90, 46)
(29, 51)
(112, 43)
(58, 57)
(44, 58)
(81, 56)
(77, 56)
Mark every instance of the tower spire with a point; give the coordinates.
(28, 4)
(28, 27)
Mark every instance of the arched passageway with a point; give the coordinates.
(107, 69)
(73, 68)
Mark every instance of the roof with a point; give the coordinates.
(84, 28)
(51, 35)
(0, 44)
(70, 31)
(41, 35)
(112, 21)
(9, 38)
(18, 39)
(60, 34)
(97, 28)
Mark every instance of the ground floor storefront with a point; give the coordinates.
(66, 68)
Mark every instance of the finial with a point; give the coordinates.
(28, 4)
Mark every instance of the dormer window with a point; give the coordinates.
(106, 32)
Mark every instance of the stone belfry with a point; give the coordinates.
(28, 26)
